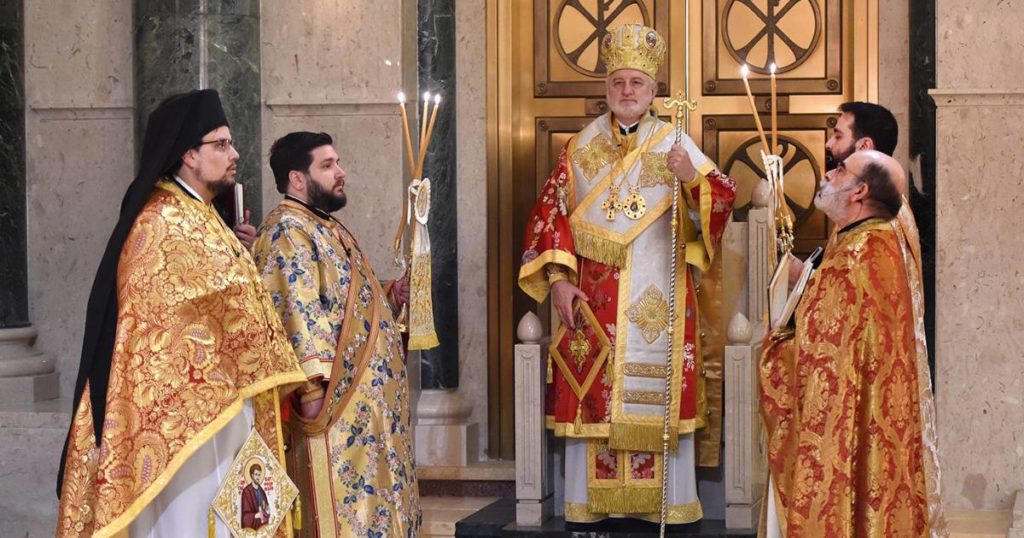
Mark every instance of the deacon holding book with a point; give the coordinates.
(183, 352)
(351, 452)
(599, 240)
(846, 398)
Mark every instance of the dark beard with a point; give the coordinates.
(325, 200)
(221, 186)
(832, 161)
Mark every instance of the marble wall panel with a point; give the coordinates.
(893, 69)
(79, 148)
(979, 315)
(332, 51)
(78, 170)
(979, 44)
(369, 145)
(471, 124)
(78, 53)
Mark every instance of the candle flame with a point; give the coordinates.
(437, 98)
(744, 71)
(426, 96)
(401, 97)
(773, 68)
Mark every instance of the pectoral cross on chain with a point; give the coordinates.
(612, 204)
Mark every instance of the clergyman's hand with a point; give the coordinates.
(312, 408)
(400, 291)
(796, 266)
(563, 293)
(678, 162)
(245, 232)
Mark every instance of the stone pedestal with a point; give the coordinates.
(444, 436)
(26, 375)
(534, 495)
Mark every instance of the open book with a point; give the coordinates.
(782, 301)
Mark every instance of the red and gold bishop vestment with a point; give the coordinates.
(606, 392)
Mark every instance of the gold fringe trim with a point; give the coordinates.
(624, 499)
(641, 437)
(578, 423)
(677, 514)
(423, 341)
(598, 248)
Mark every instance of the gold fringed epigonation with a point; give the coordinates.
(624, 499)
(641, 437)
(598, 248)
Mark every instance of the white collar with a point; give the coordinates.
(188, 188)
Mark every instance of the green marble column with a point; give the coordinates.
(13, 246)
(182, 45)
(439, 367)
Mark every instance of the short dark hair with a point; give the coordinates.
(882, 190)
(874, 122)
(294, 151)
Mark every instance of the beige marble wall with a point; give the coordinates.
(471, 126)
(979, 314)
(336, 66)
(80, 148)
(893, 68)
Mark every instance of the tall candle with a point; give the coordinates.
(775, 119)
(430, 132)
(753, 109)
(405, 129)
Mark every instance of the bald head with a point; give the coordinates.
(886, 181)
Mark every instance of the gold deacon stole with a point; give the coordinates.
(421, 304)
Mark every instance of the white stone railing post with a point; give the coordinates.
(534, 496)
(746, 265)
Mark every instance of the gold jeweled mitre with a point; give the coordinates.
(633, 46)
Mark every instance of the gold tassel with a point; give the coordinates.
(578, 423)
(211, 525)
(297, 514)
(551, 372)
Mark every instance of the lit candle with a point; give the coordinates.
(775, 119)
(430, 132)
(405, 128)
(753, 109)
(423, 129)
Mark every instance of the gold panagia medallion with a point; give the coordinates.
(634, 206)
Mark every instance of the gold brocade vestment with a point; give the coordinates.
(353, 463)
(846, 400)
(196, 337)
